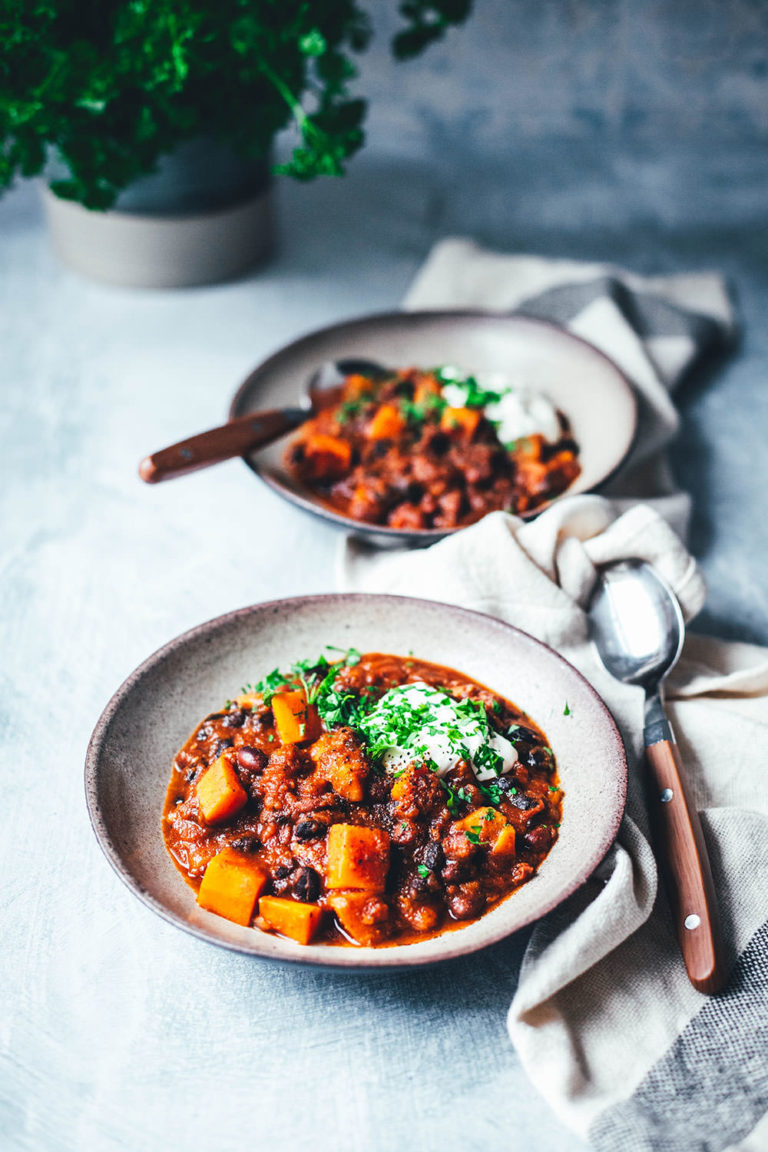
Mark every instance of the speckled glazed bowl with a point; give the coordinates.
(588, 387)
(151, 715)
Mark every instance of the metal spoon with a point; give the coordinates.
(638, 630)
(257, 429)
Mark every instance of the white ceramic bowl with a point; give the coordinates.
(149, 718)
(588, 387)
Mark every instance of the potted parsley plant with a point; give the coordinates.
(152, 121)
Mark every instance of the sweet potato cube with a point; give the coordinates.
(364, 917)
(219, 792)
(358, 857)
(356, 385)
(340, 759)
(290, 917)
(325, 457)
(295, 720)
(464, 419)
(426, 388)
(484, 823)
(400, 786)
(505, 842)
(231, 886)
(386, 424)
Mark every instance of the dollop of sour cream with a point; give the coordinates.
(419, 723)
(515, 413)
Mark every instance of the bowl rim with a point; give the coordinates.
(419, 536)
(340, 958)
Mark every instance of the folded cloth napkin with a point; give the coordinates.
(604, 1019)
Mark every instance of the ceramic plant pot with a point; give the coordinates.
(202, 217)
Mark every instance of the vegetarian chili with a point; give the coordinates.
(369, 799)
(434, 450)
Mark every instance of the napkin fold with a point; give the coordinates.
(604, 1019)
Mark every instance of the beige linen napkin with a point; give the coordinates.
(604, 1019)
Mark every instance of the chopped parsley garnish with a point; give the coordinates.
(423, 871)
(350, 409)
(485, 757)
(473, 835)
(316, 677)
(492, 791)
(567, 711)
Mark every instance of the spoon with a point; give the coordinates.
(257, 429)
(638, 630)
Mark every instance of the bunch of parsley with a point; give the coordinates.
(108, 86)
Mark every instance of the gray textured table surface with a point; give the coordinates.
(117, 1031)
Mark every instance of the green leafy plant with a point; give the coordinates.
(108, 86)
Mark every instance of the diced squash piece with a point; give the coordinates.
(290, 917)
(355, 384)
(484, 823)
(425, 389)
(465, 419)
(505, 842)
(231, 886)
(219, 792)
(358, 857)
(341, 761)
(386, 424)
(400, 786)
(362, 916)
(325, 457)
(295, 720)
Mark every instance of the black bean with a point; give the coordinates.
(282, 871)
(522, 735)
(540, 758)
(432, 855)
(221, 746)
(419, 885)
(308, 829)
(306, 885)
(246, 844)
(234, 719)
(257, 721)
(439, 444)
(524, 802)
(252, 760)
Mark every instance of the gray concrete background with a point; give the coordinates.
(631, 132)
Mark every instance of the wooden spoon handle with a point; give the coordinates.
(217, 444)
(683, 859)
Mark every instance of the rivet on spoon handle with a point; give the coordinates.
(684, 863)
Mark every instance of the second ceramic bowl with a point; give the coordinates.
(588, 387)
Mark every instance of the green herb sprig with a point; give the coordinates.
(108, 88)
